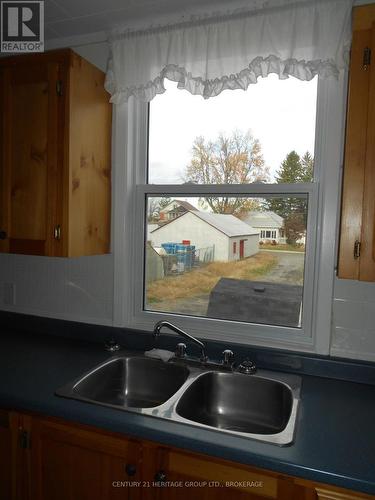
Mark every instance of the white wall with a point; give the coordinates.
(95, 53)
(353, 324)
(190, 227)
(78, 289)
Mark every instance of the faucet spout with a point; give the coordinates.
(176, 329)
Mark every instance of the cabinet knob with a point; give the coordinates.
(130, 469)
(3, 235)
(160, 476)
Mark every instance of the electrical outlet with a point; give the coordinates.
(9, 294)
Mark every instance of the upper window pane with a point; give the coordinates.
(265, 134)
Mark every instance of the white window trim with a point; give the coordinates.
(130, 157)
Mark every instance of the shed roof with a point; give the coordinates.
(264, 219)
(225, 223)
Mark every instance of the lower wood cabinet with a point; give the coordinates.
(5, 455)
(73, 463)
(182, 475)
(48, 459)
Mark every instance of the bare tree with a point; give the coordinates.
(236, 159)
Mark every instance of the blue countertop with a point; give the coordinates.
(334, 441)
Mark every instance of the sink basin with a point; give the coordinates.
(130, 382)
(262, 406)
(236, 402)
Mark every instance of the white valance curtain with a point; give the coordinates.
(205, 57)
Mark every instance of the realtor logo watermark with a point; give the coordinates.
(22, 26)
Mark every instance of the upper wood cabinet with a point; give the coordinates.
(55, 161)
(357, 237)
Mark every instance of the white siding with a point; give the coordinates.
(251, 246)
(200, 234)
(275, 234)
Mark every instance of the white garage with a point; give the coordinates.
(231, 238)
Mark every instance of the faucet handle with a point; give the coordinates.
(247, 367)
(228, 357)
(180, 350)
(111, 345)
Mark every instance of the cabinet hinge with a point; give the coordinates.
(366, 58)
(59, 88)
(357, 249)
(57, 232)
(24, 439)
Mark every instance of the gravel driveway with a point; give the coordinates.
(289, 269)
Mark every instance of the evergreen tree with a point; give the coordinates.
(293, 169)
(307, 162)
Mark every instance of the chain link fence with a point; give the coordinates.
(185, 261)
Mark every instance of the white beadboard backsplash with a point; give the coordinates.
(79, 289)
(353, 320)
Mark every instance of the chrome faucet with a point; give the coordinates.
(175, 329)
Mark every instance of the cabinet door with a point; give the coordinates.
(72, 463)
(14, 456)
(28, 161)
(357, 236)
(177, 475)
(5, 455)
(367, 258)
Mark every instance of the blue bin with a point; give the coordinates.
(185, 253)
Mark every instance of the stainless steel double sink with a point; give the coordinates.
(261, 406)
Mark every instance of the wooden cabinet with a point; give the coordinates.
(14, 456)
(5, 455)
(317, 491)
(49, 459)
(71, 462)
(177, 475)
(357, 237)
(55, 162)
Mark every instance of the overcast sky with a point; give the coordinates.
(280, 113)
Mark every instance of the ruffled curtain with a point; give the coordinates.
(205, 57)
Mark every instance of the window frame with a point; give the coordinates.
(215, 328)
(131, 121)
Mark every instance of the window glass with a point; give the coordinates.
(265, 134)
(238, 258)
(235, 258)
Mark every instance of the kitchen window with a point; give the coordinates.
(302, 206)
(208, 262)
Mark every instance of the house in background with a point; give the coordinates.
(231, 238)
(269, 225)
(174, 209)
